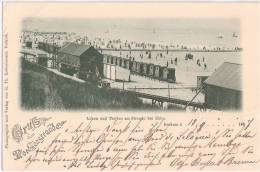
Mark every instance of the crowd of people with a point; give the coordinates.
(59, 38)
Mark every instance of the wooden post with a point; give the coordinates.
(168, 91)
(110, 71)
(201, 88)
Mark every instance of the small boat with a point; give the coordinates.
(220, 36)
(234, 35)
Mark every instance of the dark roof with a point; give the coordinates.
(228, 75)
(74, 49)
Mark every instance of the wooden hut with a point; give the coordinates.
(82, 59)
(113, 60)
(151, 70)
(105, 58)
(145, 69)
(171, 75)
(139, 67)
(223, 89)
(121, 62)
(165, 74)
(118, 61)
(28, 44)
(43, 60)
(157, 71)
(127, 64)
(133, 69)
(40, 45)
(201, 79)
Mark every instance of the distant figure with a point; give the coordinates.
(175, 60)
(171, 61)
(149, 56)
(205, 66)
(203, 59)
(167, 64)
(198, 62)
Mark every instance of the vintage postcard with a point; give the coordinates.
(130, 86)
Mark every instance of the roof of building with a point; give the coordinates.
(228, 75)
(74, 49)
(33, 52)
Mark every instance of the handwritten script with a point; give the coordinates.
(140, 144)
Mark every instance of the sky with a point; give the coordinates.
(188, 31)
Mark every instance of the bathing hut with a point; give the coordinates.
(113, 60)
(108, 59)
(145, 69)
(133, 69)
(127, 64)
(151, 70)
(105, 58)
(123, 63)
(28, 44)
(171, 75)
(156, 71)
(139, 67)
(120, 61)
(165, 73)
(117, 61)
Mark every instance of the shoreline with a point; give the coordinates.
(169, 50)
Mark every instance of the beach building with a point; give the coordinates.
(139, 67)
(171, 75)
(120, 61)
(201, 78)
(47, 47)
(145, 69)
(127, 64)
(157, 71)
(150, 70)
(83, 60)
(165, 73)
(28, 44)
(223, 89)
(35, 56)
(113, 60)
(133, 69)
(116, 73)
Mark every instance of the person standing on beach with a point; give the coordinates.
(175, 60)
(205, 66)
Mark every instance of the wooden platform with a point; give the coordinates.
(161, 99)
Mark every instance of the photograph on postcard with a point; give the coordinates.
(177, 64)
